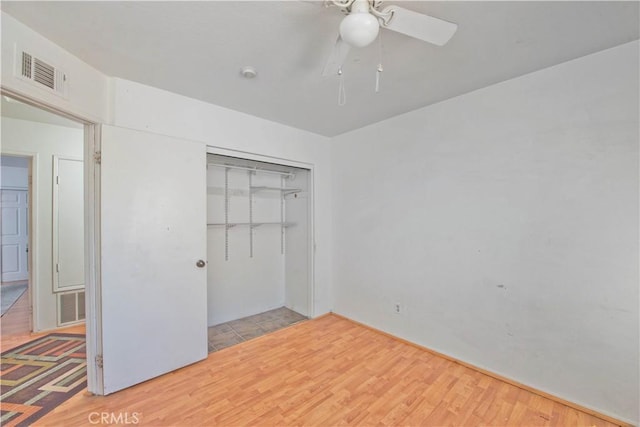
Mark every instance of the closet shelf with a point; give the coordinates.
(284, 191)
(252, 224)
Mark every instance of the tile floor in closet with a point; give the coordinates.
(236, 331)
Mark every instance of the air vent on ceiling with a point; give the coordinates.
(26, 65)
(42, 73)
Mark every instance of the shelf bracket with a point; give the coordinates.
(250, 215)
(226, 214)
(282, 178)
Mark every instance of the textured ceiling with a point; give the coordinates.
(197, 49)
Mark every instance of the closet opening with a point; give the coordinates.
(259, 248)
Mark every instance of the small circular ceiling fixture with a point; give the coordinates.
(248, 72)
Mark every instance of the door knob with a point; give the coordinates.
(200, 263)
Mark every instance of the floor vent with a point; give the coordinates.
(41, 73)
(71, 307)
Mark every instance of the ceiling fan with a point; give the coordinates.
(365, 18)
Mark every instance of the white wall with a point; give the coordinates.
(45, 140)
(505, 222)
(142, 107)
(88, 89)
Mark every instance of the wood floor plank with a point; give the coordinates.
(16, 320)
(325, 372)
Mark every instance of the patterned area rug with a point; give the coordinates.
(39, 375)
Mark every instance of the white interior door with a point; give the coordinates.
(153, 233)
(68, 223)
(15, 237)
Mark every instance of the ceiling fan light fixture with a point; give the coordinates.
(359, 29)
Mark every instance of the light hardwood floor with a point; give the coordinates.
(16, 321)
(327, 371)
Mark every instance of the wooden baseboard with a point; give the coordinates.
(328, 314)
(496, 376)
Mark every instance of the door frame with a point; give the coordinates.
(211, 149)
(91, 152)
(32, 224)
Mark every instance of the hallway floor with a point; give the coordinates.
(17, 319)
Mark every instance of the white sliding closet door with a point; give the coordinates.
(68, 224)
(153, 221)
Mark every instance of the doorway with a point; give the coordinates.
(42, 213)
(14, 245)
(42, 254)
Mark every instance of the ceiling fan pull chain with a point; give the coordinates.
(379, 70)
(378, 74)
(342, 94)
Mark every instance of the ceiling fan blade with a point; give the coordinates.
(419, 26)
(337, 58)
(323, 3)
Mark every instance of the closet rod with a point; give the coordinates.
(245, 168)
